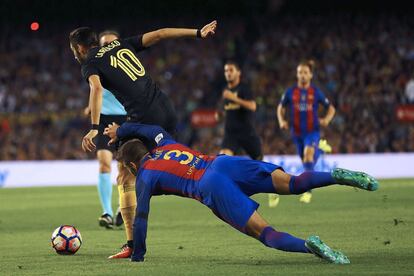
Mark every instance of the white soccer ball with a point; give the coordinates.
(66, 240)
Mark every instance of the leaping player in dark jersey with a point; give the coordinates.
(117, 68)
(222, 183)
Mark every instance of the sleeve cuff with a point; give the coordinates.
(119, 133)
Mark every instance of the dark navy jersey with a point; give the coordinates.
(303, 107)
(169, 169)
(122, 73)
(239, 119)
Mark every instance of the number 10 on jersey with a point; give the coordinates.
(129, 63)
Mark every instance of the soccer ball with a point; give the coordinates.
(66, 240)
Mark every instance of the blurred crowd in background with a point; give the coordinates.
(364, 65)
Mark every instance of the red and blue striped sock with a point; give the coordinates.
(282, 241)
(308, 181)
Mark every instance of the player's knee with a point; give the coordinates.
(130, 178)
(105, 159)
(255, 225)
(104, 166)
(281, 181)
(227, 152)
(127, 197)
(308, 154)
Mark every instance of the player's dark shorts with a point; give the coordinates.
(101, 139)
(161, 113)
(249, 142)
(228, 183)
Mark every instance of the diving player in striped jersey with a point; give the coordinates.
(303, 101)
(222, 183)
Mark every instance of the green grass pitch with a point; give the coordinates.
(375, 229)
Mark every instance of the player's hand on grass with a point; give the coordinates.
(228, 95)
(323, 122)
(209, 29)
(284, 124)
(111, 132)
(87, 143)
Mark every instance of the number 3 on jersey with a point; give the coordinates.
(177, 155)
(129, 63)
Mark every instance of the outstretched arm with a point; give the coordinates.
(143, 193)
(135, 130)
(151, 38)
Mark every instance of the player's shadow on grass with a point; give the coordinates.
(247, 261)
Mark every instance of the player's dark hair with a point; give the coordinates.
(84, 36)
(108, 32)
(234, 63)
(131, 151)
(309, 63)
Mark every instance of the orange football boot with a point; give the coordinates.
(125, 252)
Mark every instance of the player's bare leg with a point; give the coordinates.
(127, 204)
(105, 188)
(308, 157)
(274, 200)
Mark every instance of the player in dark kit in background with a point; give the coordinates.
(117, 68)
(239, 107)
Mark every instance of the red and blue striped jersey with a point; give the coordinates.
(170, 168)
(303, 105)
(174, 169)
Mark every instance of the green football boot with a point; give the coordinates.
(355, 179)
(321, 250)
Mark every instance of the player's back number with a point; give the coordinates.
(129, 63)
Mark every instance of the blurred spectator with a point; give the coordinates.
(363, 64)
(409, 90)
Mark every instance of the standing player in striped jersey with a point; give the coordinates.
(303, 100)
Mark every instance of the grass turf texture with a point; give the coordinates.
(374, 229)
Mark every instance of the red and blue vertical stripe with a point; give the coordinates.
(304, 110)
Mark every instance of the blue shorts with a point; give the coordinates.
(311, 139)
(227, 184)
